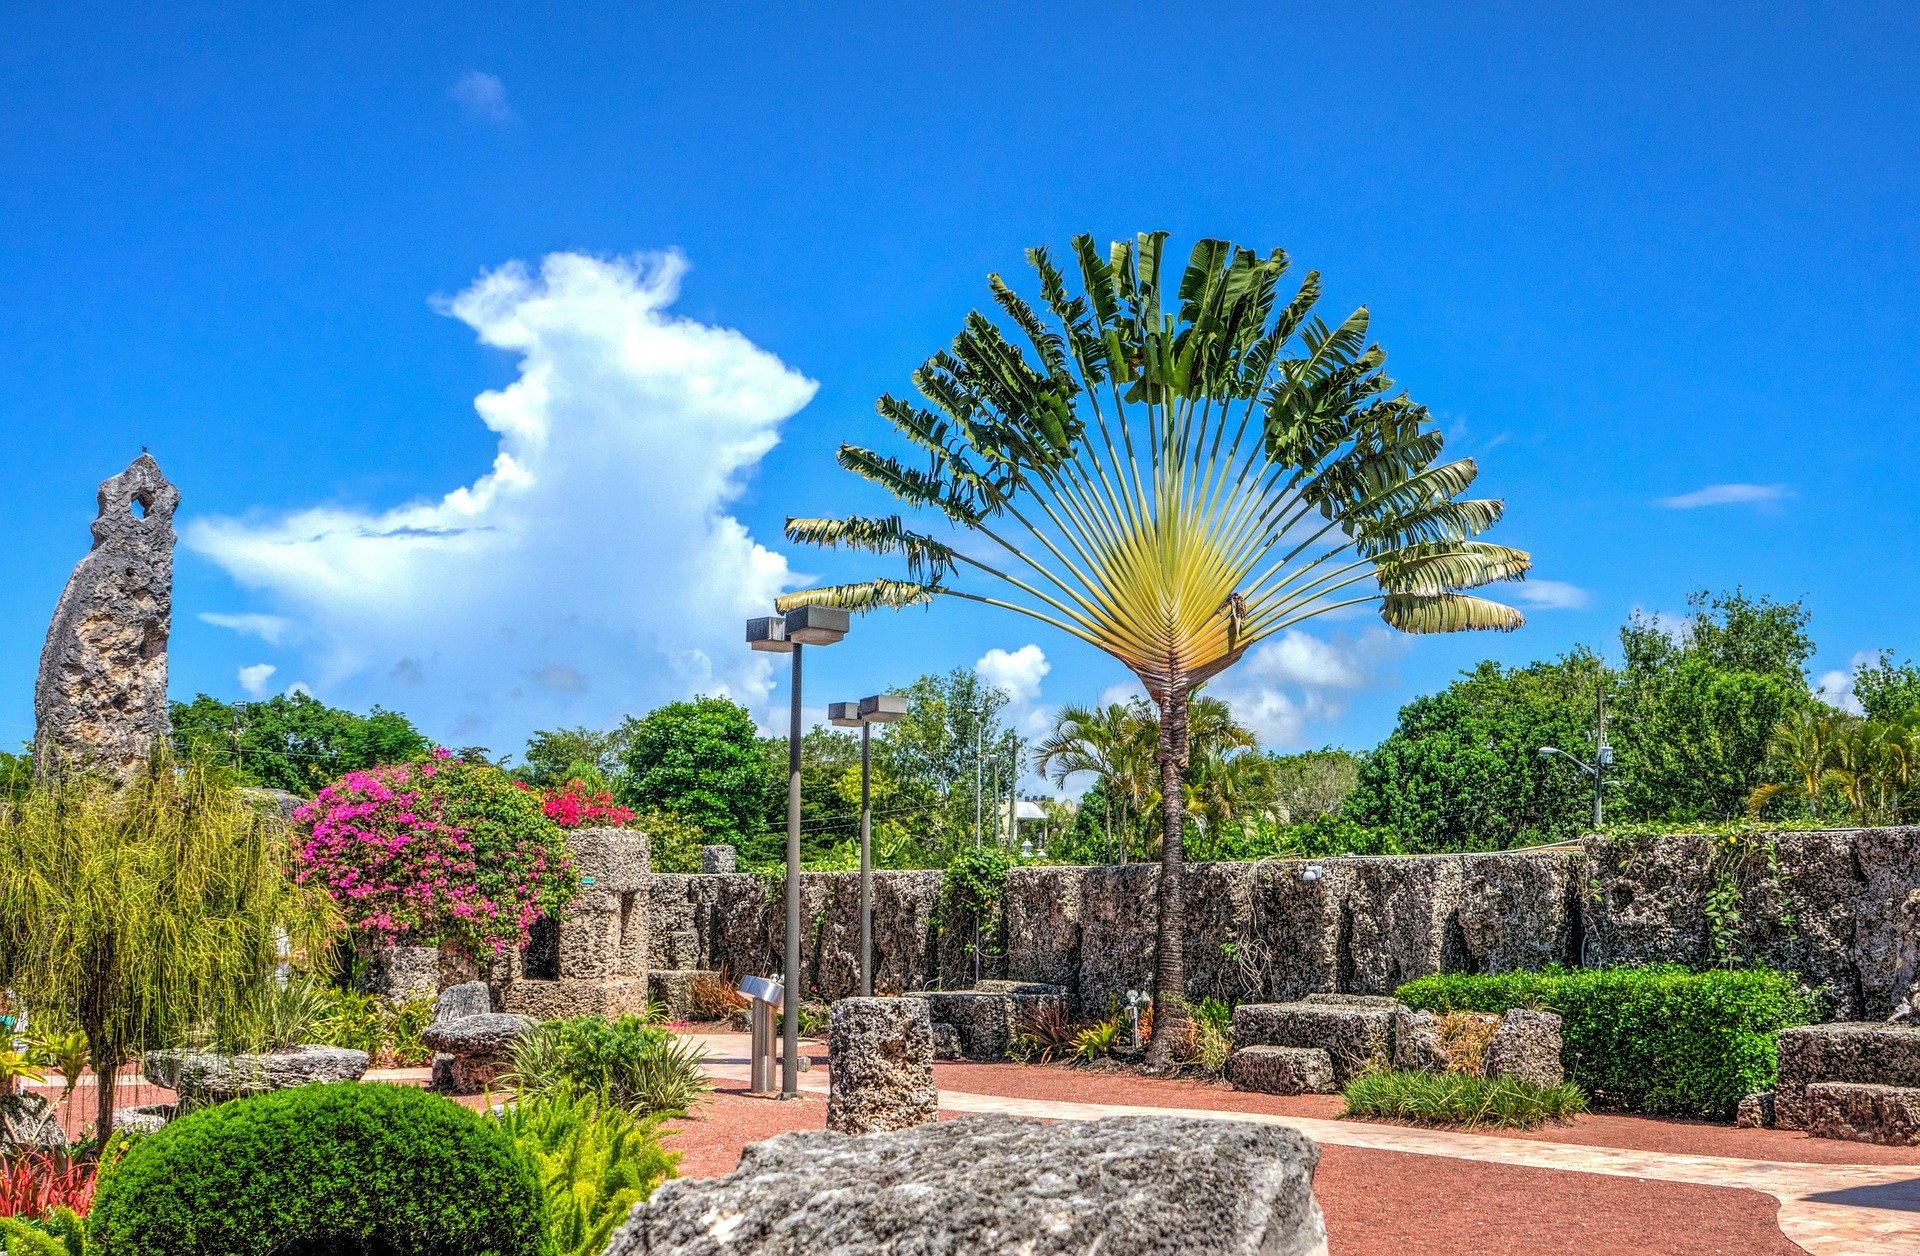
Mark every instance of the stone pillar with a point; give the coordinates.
(101, 695)
(603, 937)
(719, 859)
(881, 1054)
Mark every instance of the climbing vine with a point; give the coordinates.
(1743, 873)
(970, 896)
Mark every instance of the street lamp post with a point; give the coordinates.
(775, 634)
(1602, 756)
(881, 708)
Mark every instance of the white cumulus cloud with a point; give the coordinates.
(1018, 673)
(594, 568)
(1728, 495)
(1288, 684)
(1552, 595)
(482, 95)
(253, 679)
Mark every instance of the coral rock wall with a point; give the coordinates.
(1822, 904)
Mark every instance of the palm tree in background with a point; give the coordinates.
(1171, 476)
(1115, 743)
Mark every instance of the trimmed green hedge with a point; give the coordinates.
(1658, 1039)
(344, 1167)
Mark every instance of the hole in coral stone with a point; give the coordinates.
(139, 507)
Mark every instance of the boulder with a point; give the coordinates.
(1863, 1052)
(1526, 1048)
(469, 998)
(1417, 1045)
(401, 973)
(1864, 1113)
(206, 1077)
(27, 1125)
(1282, 1070)
(150, 1119)
(1401, 916)
(718, 859)
(1000, 1184)
(1355, 1038)
(946, 1041)
(1755, 1111)
(882, 1053)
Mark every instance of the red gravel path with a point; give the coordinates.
(1377, 1203)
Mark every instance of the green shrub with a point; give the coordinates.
(1659, 1040)
(629, 1062)
(343, 1167)
(595, 1162)
(1096, 1040)
(1461, 1099)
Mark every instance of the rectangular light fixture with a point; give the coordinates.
(817, 625)
(769, 634)
(883, 708)
(844, 714)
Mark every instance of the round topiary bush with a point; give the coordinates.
(348, 1167)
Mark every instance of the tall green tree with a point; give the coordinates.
(555, 756)
(140, 913)
(1172, 473)
(701, 761)
(1462, 768)
(1888, 691)
(291, 741)
(945, 754)
(1699, 704)
(1313, 783)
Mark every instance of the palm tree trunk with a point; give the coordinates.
(1169, 965)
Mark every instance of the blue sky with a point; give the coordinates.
(1626, 257)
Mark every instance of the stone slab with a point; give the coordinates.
(1000, 1184)
(1864, 1113)
(1865, 1052)
(1355, 1038)
(1282, 1070)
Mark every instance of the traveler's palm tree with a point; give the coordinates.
(1172, 476)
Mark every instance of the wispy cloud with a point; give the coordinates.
(483, 96)
(269, 628)
(1552, 595)
(1728, 495)
(596, 567)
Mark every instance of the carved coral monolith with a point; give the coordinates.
(101, 697)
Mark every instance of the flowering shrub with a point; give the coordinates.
(439, 850)
(576, 805)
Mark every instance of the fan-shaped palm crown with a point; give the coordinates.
(1173, 480)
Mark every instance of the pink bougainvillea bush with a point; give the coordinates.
(576, 805)
(435, 851)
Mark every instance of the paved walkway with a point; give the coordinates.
(1830, 1210)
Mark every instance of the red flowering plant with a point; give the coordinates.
(577, 805)
(435, 851)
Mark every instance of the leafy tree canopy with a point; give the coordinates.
(293, 741)
(1698, 706)
(558, 755)
(1462, 768)
(1888, 691)
(702, 761)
